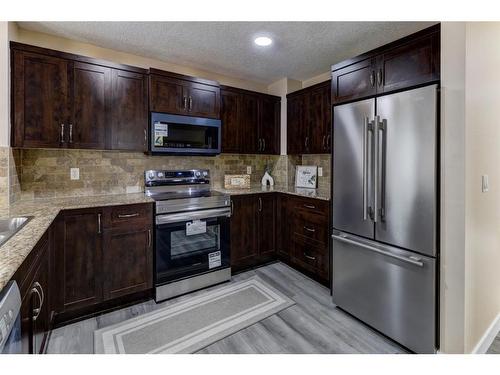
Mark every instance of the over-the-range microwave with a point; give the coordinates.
(182, 135)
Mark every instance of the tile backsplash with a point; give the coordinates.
(43, 173)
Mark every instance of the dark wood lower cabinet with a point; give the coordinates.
(270, 226)
(33, 281)
(101, 255)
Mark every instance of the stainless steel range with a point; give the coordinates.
(191, 233)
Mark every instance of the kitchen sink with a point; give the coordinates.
(11, 225)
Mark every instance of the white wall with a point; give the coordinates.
(482, 148)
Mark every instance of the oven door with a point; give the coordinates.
(191, 246)
(172, 134)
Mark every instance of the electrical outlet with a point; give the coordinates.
(485, 183)
(249, 169)
(320, 172)
(74, 173)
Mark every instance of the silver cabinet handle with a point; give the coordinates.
(309, 257)
(190, 103)
(149, 237)
(145, 136)
(263, 144)
(99, 230)
(309, 229)
(260, 204)
(306, 143)
(379, 77)
(70, 133)
(38, 310)
(184, 101)
(62, 133)
(259, 144)
(232, 207)
(126, 216)
(412, 260)
(323, 142)
(310, 206)
(37, 285)
(372, 78)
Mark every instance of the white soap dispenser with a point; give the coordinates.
(267, 179)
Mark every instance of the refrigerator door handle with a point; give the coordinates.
(375, 169)
(382, 127)
(365, 168)
(412, 259)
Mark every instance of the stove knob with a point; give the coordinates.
(151, 175)
(197, 174)
(205, 173)
(160, 174)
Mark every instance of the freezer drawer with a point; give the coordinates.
(390, 289)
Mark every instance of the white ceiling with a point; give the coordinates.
(300, 50)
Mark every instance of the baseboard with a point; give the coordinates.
(488, 337)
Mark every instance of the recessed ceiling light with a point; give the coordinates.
(263, 41)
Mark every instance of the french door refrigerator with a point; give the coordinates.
(385, 214)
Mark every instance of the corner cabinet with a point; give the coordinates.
(309, 120)
(183, 95)
(61, 100)
(405, 63)
(250, 122)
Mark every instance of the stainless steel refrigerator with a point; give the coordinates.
(385, 186)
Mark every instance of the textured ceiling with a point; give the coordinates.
(300, 50)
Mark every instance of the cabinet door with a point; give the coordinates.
(266, 205)
(249, 120)
(269, 125)
(40, 93)
(203, 100)
(230, 121)
(129, 115)
(41, 308)
(282, 226)
(296, 132)
(244, 251)
(310, 256)
(410, 64)
(166, 95)
(354, 81)
(91, 91)
(127, 259)
(78, 260)
(319, 119)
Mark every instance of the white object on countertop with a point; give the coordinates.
(267, 179)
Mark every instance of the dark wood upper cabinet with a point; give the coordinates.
(40, 90)
(411, 61)
(309, 120)
(72, 101)
(354, 81)
(230, 107)
(250, 122)
(183, 95)
(90, 96)
(129, 114)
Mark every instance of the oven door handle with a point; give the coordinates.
(193, 215)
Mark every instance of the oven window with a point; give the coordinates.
(172, 135)
(183, 245)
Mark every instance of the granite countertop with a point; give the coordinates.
(323, 194)
(16, 249)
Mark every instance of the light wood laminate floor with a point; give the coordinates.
(312, 325)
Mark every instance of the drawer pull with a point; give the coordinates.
(310, 206)
(127, 216)
(309, 257)
(310, 229)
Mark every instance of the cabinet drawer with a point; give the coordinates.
(311, 225)
(310, 205)
(310, 255)
(119, 216)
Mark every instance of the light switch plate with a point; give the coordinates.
(249, 169)
(485, 183)
(320, 172)
(74, 173)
